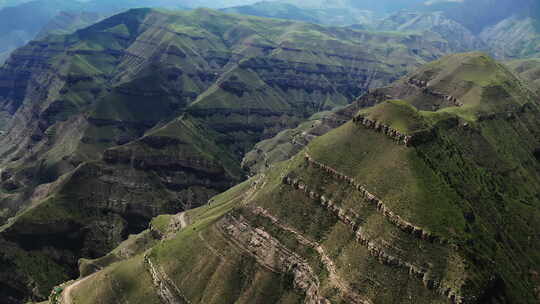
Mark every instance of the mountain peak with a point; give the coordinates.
(468, 84)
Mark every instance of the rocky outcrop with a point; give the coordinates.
(373, 97)
(273, 255)
(168, 162)
(409, 140)
(237, 88)
(385, 129)
(426, 89)
(166, 289)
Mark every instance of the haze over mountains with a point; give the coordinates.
(330, 152)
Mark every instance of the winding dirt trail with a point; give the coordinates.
(66, 294)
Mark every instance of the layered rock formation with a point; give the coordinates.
(166, 290)
(386, 130)
(427, 90)
(289, 142)
(357, 218)
(151, 112)
(271, 253)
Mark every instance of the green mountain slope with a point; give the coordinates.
(150, 112)
(502, 28)
(413, 201)
(476, 15)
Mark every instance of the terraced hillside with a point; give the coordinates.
(415, 200)
(150, 112)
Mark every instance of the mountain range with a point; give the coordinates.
(151, 112)
(505, 30)
(427, 195)
(337, 152)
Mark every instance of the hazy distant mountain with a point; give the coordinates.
(22, 20)
(514, 37)
(458, 37)
(437, 24)
(479, 14)
(326, 16)
(379, 6)
(21, 23)
(510, 28)
(67, 22)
